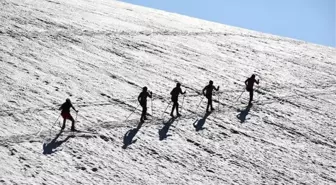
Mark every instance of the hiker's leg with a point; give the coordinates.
(145, 112)
(72, 123)
(251, 97)
(173, 108)
(177, 108)
(63, 126)
(207, 109)
(211, 103)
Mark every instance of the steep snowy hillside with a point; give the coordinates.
(100, 53)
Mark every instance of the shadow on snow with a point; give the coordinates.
(163, 132)
(128, 137)
(243, 113)
(198, 124)
(49, 148)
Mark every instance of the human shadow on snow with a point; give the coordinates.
(49, 148)
(163, 132)
(130, 134)
(198, 124)
(243, 113)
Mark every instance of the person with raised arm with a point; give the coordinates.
(249, 87)
(207, 92)
(174, 97)
(142, 98)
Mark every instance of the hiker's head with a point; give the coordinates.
(210, 82)
(68, 100)
(178, 84)
(253, 76)
(144, 89)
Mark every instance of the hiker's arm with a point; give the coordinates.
(61, 107)
(246, 82)
(217, 88)
(139, 98)
(73, 108)
(203, 91)
(182, 92)
(257, 81)
(150, 94)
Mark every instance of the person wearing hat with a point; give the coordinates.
(65, 113)
(207, 92)
(249, 87)
(174, 97)
(142, 98)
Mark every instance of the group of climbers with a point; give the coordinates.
(142, 98)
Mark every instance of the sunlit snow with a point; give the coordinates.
(100, 53)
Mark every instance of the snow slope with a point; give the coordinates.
(100, 53)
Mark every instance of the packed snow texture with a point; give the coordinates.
(100, 53)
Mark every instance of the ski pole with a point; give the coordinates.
(76, 116)
(182, 103)
(258, 87)
(152, 107)
(240, 95)
(199, 103)
(132, 112)
(165, 109)
(54, 124)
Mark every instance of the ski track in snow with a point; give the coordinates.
(101, 53)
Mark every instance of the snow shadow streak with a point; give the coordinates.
(200, 123)
(128, 137)
(243, 113)
(163, 132)
(49, 148)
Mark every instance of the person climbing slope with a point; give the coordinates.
(207, 92)
(174, 97)
(142, 98)
(249, 87)
(65, 113)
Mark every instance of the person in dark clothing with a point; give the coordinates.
(207, 92)
(174, 97)
(249, 87)
(65, 113)
(142, 98)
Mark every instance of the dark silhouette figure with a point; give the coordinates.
(163, 132)
(249, 87)
(142, 98)
(174, 97)
(201, 122)
(207, 92)
(128, 137)
(243, 114)
(66, 113)
(49, 148)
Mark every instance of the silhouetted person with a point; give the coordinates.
(142, 98)
(174, 97)
(66, 113)
(207, 92)
(249, 87)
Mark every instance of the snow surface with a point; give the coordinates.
(100, 53)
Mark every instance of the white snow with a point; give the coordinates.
(100, 53)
